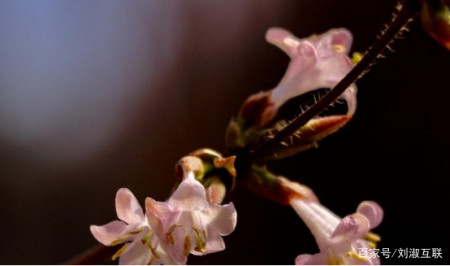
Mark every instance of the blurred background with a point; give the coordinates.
(99, 95)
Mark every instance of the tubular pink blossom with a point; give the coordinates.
(340, 240)
(319, 61)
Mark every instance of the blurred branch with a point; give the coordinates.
(97, 254)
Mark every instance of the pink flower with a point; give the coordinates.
(341, 241)
(187, 223)
(141, 244)
(319, 61)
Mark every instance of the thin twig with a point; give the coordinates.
(97, 254)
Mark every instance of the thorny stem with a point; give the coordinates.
(406, 13)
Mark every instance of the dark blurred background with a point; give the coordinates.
(98, 95)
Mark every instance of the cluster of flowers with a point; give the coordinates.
(193, 221)
(168, 231)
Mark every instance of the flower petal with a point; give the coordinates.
(284, 40)
(128, 208)
(135, 254)
(215, 243)
(372, 211)
(320, 221)
(163, 257)
(300, 66)
(222, 218)
(332, 70)
(110, 232)
(169, 226)
(159, 216)
(338, 40)
(342, 37)
(308, 259)
(178, 241)
(351, 227)
(189, 196)
(350, 97)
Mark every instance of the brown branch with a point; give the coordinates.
(97, 254)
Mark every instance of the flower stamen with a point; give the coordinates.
(135, 232)
(122, 238)
(169, 236)
(339, 48)
(147, 237)
(155, 256)
(335, 261)
(119, 252)
(352, 254)
(356, 57)
(187, 246)
(152, 249)
(372, 237)
(200, 240)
